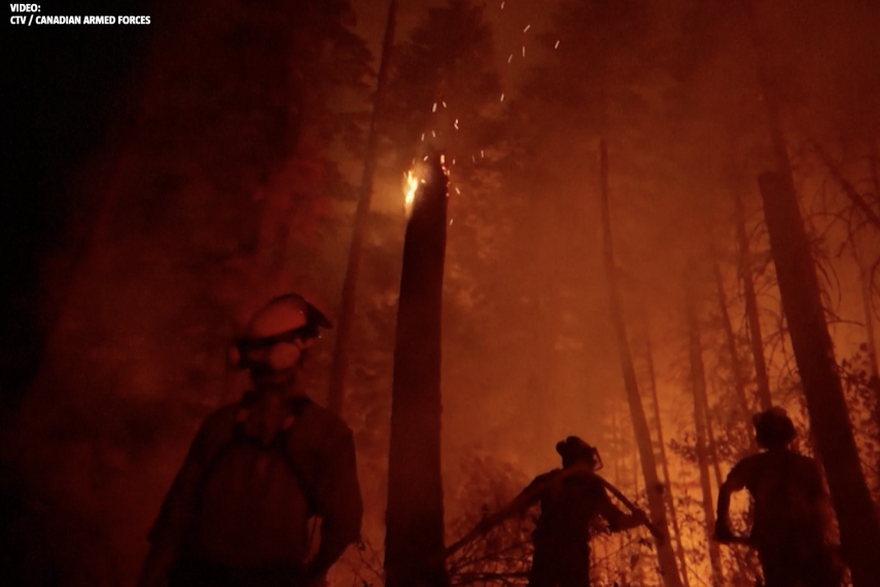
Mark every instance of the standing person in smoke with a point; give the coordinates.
(571, 499)
(238, 512)
(792, 510)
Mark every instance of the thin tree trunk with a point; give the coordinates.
(341, 352)
(698, 385)
(710, 437)
(666, 556)
(814, 353)
(867, 307)
(752, 315)
(664, 463)
(414, 515)
(739, 383)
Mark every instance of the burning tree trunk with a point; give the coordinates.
(698, 386)
(414, 518)
(336, 392)
(814, 353)
(664, 463)
(657, 508)
(751, 299)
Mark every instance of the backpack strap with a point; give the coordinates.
(279, 444)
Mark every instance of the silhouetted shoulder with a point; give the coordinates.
(215, 431)
(545, 478)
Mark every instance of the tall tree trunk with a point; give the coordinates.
(414, 516)
(698, 385)
(814, 353)
(739, 384)
(710, 439)
(341, 352)
(657, 508)
(664, 464)
(754, 319)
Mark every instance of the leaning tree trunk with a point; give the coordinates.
(814, 353)
(339, 369)
(698, 387)
(751, 299)
(414, 516)
(666, 556)
(664, 464)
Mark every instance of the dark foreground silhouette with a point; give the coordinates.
(238, 512)
(792, 511)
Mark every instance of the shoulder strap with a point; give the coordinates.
(279, 445)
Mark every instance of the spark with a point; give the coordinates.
(453, 161)
(502, 97)
(450, 221)
(502, 6)
(434, 109)
(473, 159)
(556, 46)
(444, 104)
(456, 124)
(524, 50)
(425, 159)
(509, 59)
(528, 26)
(458, 191)
(433, 134)
(423, 136)
(481, 154)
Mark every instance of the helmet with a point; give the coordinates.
(574, 448)
(773, 428)
(285, 318)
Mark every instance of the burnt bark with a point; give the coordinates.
(814, 353)
(339, 369)
(665, 554)
(414, 518)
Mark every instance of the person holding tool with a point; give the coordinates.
(792, 510)
(571, 498)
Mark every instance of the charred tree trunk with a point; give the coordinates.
(414, 517)
(814, 353)
(664, 464)
(698, 385)
(339, 369)
(656, 505)
(754, 320)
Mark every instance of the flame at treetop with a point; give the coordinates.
(411, 184)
